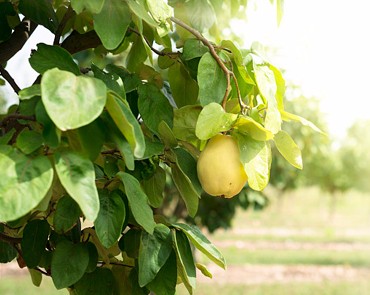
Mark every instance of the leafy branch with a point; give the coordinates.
(219, 61)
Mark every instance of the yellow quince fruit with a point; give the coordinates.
(220, 171)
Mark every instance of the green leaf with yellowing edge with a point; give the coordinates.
(266, 83)
(252, 128)
(212, 120)
(288, 149)
(256, 159)
(292, 117)
(201, 242)
(127, 124)
(185, 261)
(74, 101)
(24, 182)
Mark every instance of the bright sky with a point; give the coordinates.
(324, 45)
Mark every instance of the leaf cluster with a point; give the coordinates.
(84, 157)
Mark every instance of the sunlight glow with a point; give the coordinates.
(324, 47)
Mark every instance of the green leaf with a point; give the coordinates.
(252, 128)
(112, 22)
(153, 253)
(130, 80)
(66, 214)
(99, 282)
(212, 120)
(77, 176)
(280, 87)
(154, 187)
(93, 257)
(266, 83)
(236, 53)
(279, 10)
(50, 132)
(41, 12)
(184, 88)
(29, 141)
(201, 242)
(62, 100)
(292, 117)
(153, 148)
(154, 107)
(185, 260)
(184, 123)
(188, 165)
(30, 92)
(186, 189)
(68, 263)
(127, 124)
(166, 135)
(35, 236)
(7, 252)
(36, 277)
(7, 137)
(211, 80)
(193, 48)
(138, 202)
(125, 150)
(130, 243)
(87, 140)
(94, 6)
(137, 54)
(112, 214)
(204, 270)
(288, 149)
(24, 182)
(201, 14)
(256, 158)
(138, 7)
(47, 57)
(110, 79)
(165, 281)
(159, 10)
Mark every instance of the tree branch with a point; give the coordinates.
(10, 240)
(68, 14)
(16, 116)
(19, 37)
(9, 78)
(77, 42)
(213, 52)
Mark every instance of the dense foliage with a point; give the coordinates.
(127, 96)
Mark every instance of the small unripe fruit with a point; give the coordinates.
(220, 171)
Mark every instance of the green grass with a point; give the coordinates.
(358, 287)
(238, 256)
(310, 208)
(22, 285)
